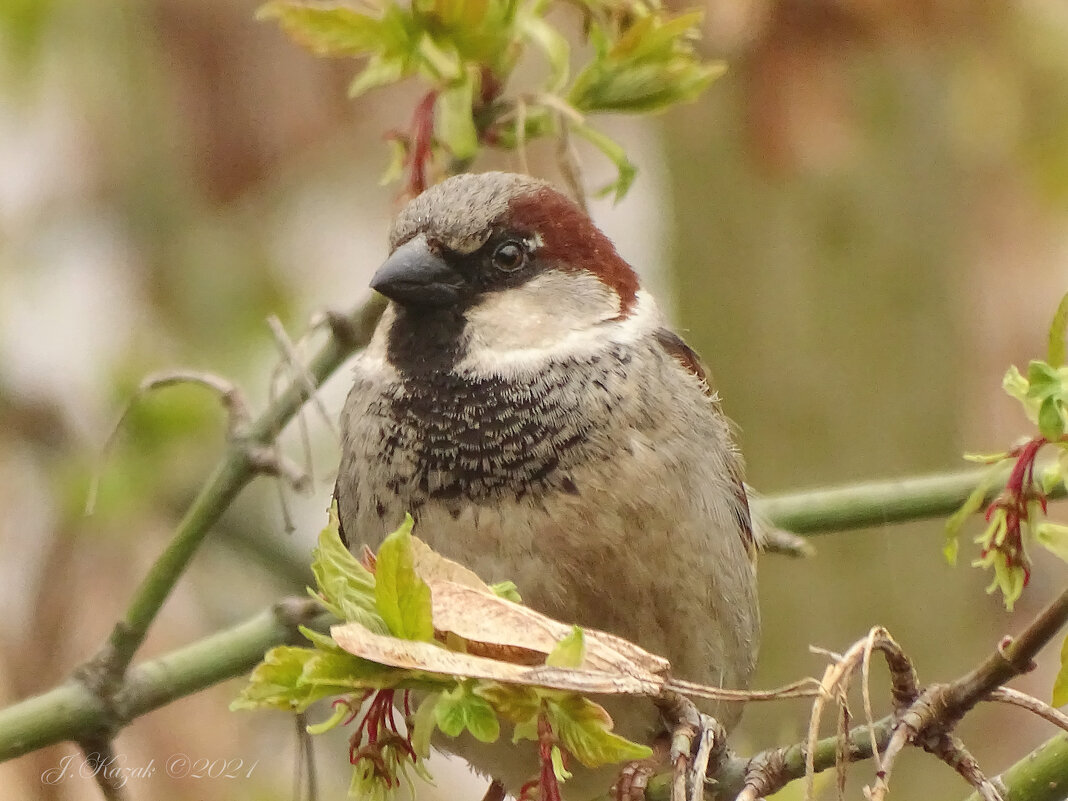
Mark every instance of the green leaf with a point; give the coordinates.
(380, 71)
(570, 651)
(515, 702)
(986, 458)
(325, 29)
(346, 588)
(1054, 538)
(480, 32)
(275, 682)
(650, 67)
(1052, 476)
(507, 590)
(1051, 419)
(1057, 332)
(460, 709)
(401, 597)
(423, 725)
(454, 124)
(526, 729)
(557, 756)
(340, 673)
(1043, 380)
(1060, 684)
(341, 711)
(321, 641)
(398, 158)
(583, 729)
(615, 153)
(972, 504)
(1015, 384)
(442, 63)
(555, 47)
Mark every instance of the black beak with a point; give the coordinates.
(414, 275)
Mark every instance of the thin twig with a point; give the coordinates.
(568, 162)
(229, 395)
(1007, 695)
(841, 758)
(951, 750)
(865, 690)
(251, 451)
(299, 371)
(803, 688)
(521, 135)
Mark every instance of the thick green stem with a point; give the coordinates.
(1042, 775)
(876, 503)
(73, 712)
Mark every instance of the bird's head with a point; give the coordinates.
(519, 263)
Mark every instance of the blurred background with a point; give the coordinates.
(860, 227)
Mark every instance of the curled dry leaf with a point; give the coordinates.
(498, 640)
(496, 623)
(433, 567)
(429, 658)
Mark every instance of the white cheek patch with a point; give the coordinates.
(552, 316)
(541, 311)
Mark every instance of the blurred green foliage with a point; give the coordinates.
(860, 225)
(642, 61)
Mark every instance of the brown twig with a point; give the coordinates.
(100, 757)
(1007, 695)
(299, 372)
(804, 688)
(951, 750)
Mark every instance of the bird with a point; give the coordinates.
(524, 399)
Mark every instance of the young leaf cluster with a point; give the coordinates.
(1016, 519)
(385, 596)
(642, 60)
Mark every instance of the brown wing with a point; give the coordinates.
(673, 344)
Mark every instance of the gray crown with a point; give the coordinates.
(460, 211)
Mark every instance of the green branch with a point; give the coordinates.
(1042, 775)
(72, 711)
(236, 470)
(876, 503)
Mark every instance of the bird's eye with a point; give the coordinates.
(509, 256)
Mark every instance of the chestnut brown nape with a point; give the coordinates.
(572, 241)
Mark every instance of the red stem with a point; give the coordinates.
(422, 139)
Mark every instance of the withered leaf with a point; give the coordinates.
(430, 658)
(432, 566)
(493, 621)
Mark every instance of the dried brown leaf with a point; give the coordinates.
(430, 658)
(494, 621)
(432, 566)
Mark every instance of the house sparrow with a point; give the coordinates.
(522, 398)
